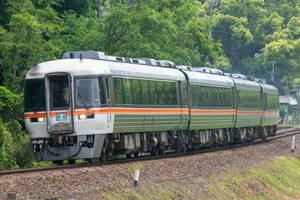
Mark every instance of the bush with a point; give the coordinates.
(23, 152)
(10, 105)
(282, 111)
(7, 159)
(15, 147)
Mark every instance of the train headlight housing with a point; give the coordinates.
(37, 119)
(86, 116)
(82, 116)
(41, 119)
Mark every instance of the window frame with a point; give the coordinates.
(52, 108)
(100, 78)
(210, 91)
(26, 109)
(149, 81)
(246, 97)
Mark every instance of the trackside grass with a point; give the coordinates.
(275, 179)
(278, 179)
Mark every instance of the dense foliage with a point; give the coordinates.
(256, 34)
(248, 36)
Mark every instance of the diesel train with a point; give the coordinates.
(89, 105)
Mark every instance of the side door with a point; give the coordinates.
(262, 104)
(106, 90)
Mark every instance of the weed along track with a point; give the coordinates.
(86, 181)
(286, 132)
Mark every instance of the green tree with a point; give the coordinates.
(173, 30)
(10, 105)
(14, 142)
(7, 160)
(81, 33)
(29, 40)
(255, 34)
(23, 153)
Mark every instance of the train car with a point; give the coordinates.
(269, 108)
(66, 113)
(211, 101)
(146, 103)
(89, 105)
(248, 109)
(211, 108)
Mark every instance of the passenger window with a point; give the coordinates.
(127, 91)
(160, 92)
(119, 92)
(166, 93)
(145, 91)
(153, 93)
(173, 94)
(137, 92)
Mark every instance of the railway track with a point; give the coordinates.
(282, 132)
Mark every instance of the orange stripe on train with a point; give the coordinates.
(152, 111)
(248, 112)
(213, 112)
(30, 115)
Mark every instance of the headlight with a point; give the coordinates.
(86, 116)
(82, 116)
(37, 119)
(41, 119)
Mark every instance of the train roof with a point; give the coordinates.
(209, 79)
(73, 66)
(269, 89)
(83, 67)
(144, 71)
(242, 84)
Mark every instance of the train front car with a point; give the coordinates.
(66, 111)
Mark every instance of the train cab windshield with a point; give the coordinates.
(60, 92)
(35, 95)
(87, 92)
